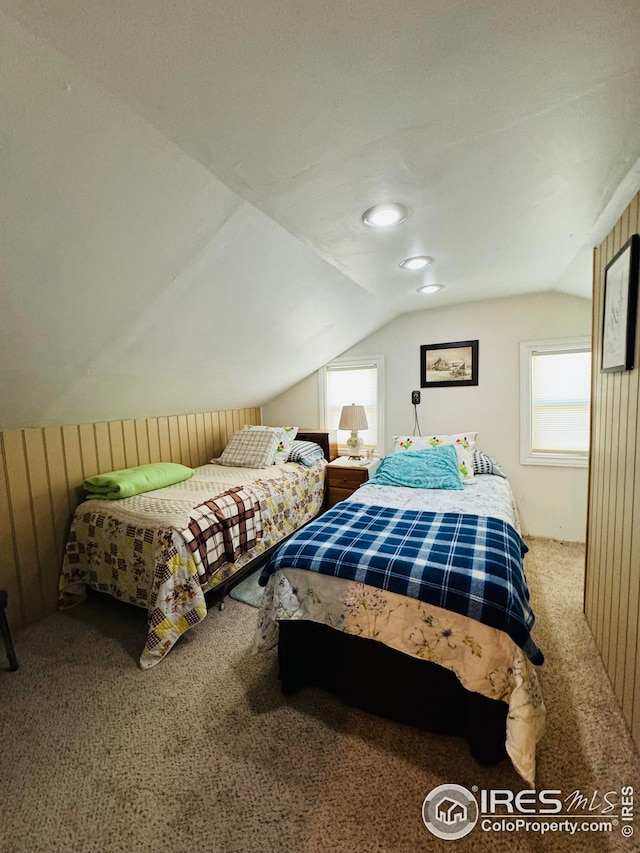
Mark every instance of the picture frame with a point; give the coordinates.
(619, 308)
(448, 365)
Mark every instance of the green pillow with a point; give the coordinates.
(133, 481)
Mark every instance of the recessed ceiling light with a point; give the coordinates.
(430, 288)
(416, 263)
(381, 215)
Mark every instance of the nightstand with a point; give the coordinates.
(345, 475)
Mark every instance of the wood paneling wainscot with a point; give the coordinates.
(41, 475)
(612, 583)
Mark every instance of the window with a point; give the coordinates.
(556, 392)
(354, 380)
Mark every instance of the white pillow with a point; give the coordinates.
(286, 437)
(464, 443)
(250, 448)
(409, 442)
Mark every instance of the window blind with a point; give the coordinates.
(353, 384)
(560, 397)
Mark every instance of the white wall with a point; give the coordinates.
(551, 500)
(133, 282)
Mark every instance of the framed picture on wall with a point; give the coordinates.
(444, 365)
(620, 304)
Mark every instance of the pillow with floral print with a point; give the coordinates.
(409, 442)
(464, 443)
(286, 440)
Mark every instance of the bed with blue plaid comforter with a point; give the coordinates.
(469, 564)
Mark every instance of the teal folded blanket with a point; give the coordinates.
(133, 481)
(436, 468)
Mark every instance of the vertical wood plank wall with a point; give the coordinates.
(612, 583)
(41, 474)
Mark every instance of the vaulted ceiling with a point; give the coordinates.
(183, 182)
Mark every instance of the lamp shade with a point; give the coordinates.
(353, 418)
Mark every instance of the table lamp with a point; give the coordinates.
(354, 418)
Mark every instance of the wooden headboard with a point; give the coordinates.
(326, 438)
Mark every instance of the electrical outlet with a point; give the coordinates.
(415, 397)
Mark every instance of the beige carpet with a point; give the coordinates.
(202, 753)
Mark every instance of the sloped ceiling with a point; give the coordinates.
(183, 182)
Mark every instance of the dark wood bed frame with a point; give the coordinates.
(388, 683)
(326, 438)
(375, 677)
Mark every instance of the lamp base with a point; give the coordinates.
(355, 445)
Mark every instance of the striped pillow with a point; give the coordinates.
(305, 452)
(250, 448)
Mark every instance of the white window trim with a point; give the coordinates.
(528, 456)
(355, 361)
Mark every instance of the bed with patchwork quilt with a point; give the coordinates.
(413, 603)
(164, 549)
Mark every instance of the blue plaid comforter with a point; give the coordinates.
(469, 564)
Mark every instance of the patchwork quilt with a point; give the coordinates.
(163, 550)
